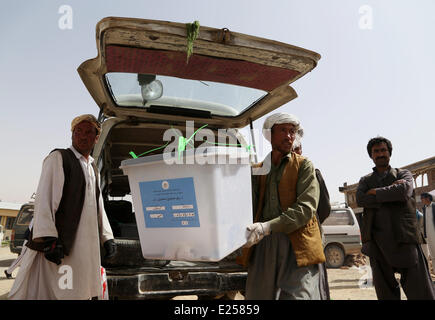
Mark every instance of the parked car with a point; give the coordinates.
(144, 84)
(342, 235)
(20, 226)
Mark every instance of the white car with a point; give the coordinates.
(342, 236)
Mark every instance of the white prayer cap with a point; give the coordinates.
(279, 118)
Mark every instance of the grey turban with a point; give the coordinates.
(279, 118)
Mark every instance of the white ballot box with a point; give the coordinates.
(194, 206)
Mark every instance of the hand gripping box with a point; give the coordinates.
(194, 206)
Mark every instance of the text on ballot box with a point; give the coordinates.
(169, 203)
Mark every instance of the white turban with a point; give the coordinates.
(279, 118)
(300, 132)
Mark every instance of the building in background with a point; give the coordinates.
(423, 173)
(8, 213)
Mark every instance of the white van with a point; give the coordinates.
(341, 235)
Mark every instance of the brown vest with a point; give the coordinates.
(306, 241)
(71, 204)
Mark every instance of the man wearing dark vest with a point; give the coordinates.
(390, 232)
(285, 245)
(69, 223)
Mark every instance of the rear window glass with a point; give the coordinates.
(217, 98)
(339, 217)
(25, 215)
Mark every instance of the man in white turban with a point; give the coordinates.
(284, 242)
(280, 118)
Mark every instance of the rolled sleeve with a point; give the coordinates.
(305, 206)
(103, 222)
(105, 229)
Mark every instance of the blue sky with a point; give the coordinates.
(369, 82)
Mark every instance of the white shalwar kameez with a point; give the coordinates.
(78, 276)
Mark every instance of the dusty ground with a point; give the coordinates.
(352, 282)
(6, 258)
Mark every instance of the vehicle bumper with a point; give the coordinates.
(161, 286)
(173, 280)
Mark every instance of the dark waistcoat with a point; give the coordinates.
(73, 196)
(401, 215)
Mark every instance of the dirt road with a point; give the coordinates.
(6, 258)
(347, 283)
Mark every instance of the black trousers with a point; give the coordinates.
(416, 281)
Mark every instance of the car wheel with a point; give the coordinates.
(334, 256)
(129, 253)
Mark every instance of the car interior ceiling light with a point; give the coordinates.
(150, 88)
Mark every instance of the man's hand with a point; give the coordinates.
(256, 232)
(53, 251)
(110, 247)
(399, 181)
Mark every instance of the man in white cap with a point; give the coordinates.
(69, 223)
(284, 240)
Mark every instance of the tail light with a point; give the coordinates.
(12, 235)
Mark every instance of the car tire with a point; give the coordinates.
(334, 256)
(129, 254)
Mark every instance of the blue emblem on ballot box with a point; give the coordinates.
(169, 203)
